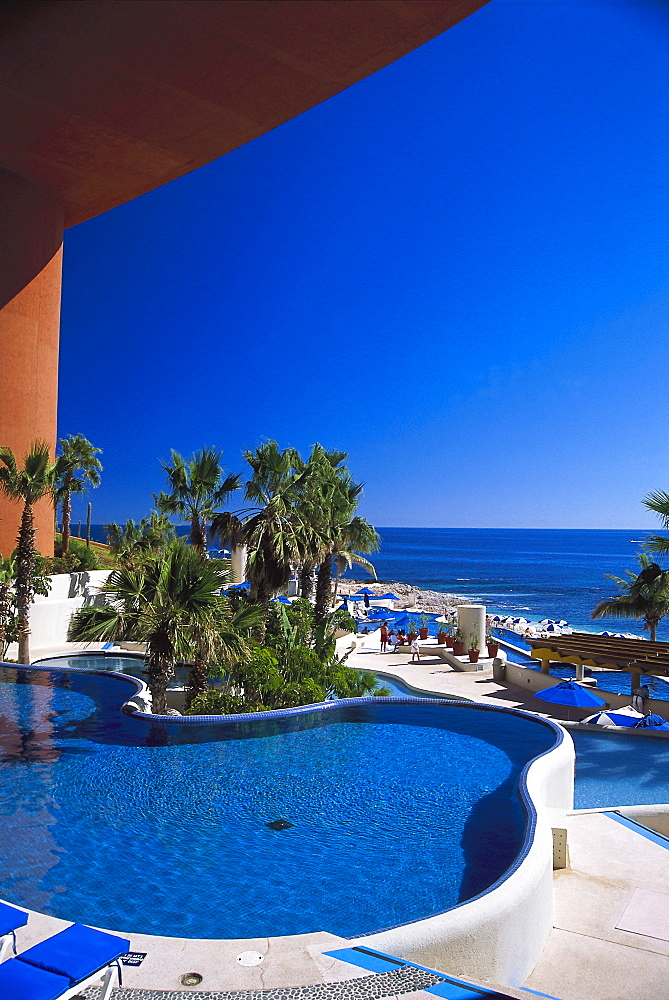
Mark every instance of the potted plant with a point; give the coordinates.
(450, 628)
(473, 650)
(423, 631)
(413, 630)
(492, 642)
(442, 634)
(458, 642)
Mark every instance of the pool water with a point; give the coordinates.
(132, 665)
(617, 770)
(398, 811)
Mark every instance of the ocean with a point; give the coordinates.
(536, 573)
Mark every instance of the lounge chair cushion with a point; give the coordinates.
(11, 918)
(76, 952)
(24, 982)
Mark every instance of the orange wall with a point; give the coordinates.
(29, 326)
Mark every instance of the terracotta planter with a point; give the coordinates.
(473, 655)
(424, 633)
(458, 648)
(442, 638)
(493, 649)
(411, 636)
(449, 641)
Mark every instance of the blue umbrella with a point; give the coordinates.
(571, 694)
(364, 590)
(240, 586)
(282, 599)
(653, 722)
(388, 597)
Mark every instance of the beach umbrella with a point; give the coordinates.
(388, 597)
(240, 586)
(571, 695)
(553, 628)
(282, 599)
(562, 622)
(496, 618)
(363, 591)
(547, 621)
(654, 722)
(626, 717)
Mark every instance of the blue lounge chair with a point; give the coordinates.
(63, 965)
(10, 920)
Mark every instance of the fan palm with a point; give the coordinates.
(659, 503)
(132, 542)
(79, 469)
(28, 484)
(198, 487)
(172, 603)
(644, 595)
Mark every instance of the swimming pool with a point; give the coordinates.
(132, 665)
(396, 810)
(613, 769)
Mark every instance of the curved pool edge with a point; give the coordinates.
(496, 936)
(499, 935)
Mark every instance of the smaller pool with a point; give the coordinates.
(613, 769)
(133, 665)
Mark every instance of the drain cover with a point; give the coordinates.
(191, 979)
(279, 824)
(249, 958)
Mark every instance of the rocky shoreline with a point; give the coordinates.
(431, 601)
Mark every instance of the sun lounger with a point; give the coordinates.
(10, 920)
(63, 965)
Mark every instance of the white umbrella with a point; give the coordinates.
(626, 716)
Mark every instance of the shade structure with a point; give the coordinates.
(240, 586)
(282, 599)
(388, 597)
(363, 591)
(625, 717)
(657, 722)
(570, 694)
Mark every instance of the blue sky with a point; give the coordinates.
(455, 270)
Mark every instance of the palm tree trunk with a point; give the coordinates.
(159, 673)
(197, 681)
(25, 567)
(306, 581)
(67, 514)
(323, 589)
(197, 538)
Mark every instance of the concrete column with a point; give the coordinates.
(31, 235)
(471, 619)
(238, 563)
(579, 671)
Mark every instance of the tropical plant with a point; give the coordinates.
(642, 595)
(132, 543)
(8, 618)
(198, 488)
(27, 485)
(78, 559)
(342, 534)
(79, 469)
(658, 502)
(171, 602)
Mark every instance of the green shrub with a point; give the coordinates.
(78, 559)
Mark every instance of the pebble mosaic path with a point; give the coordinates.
(406, 979)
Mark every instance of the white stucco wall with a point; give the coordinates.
(50, 616)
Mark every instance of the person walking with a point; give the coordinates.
(415, 650)
(384, 637)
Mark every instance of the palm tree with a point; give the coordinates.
(345, 533)
(79, 469)
(36, 479)
(198, 489)
(171, 602)
(132, 543)
(273, 532)
(659, 503)
(643, 595)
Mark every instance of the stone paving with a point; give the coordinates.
(405, 979)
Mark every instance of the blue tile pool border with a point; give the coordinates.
(637, 827)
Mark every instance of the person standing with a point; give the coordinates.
(415, 650)
(384, 637)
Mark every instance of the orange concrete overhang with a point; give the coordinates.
(104, 100)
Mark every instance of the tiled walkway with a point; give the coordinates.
(406, 979)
